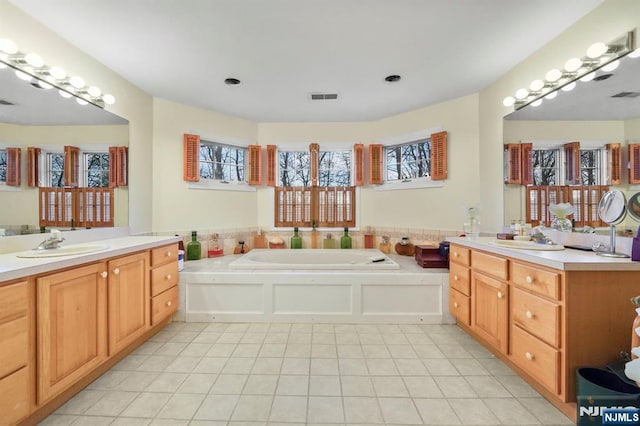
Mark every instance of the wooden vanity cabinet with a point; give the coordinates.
(17, 350)
(164, 282)
(460, 284)
(128, 295)
(72, 326)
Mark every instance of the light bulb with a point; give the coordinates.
(7, 46)
(536, 103)
(23, 75)
(536, 85)
(596, 50)
(81, 101)
(588, 77)
(109, 99)
(508, 101)
(635, 53)
(522, 93)
(44, 85)
(34, 60)
(58, 73)
(553, 75)
(573, 64)
(64, 94)
(93, 91)
(611, 66)
(77, 82)
(551, 95)
(569, 87)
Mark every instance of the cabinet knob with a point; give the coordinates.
(455, 254)
(104, 274)
(500, 295)
(168, 277)
(529, 314)
(455, 304)
(116, 271)
(168, 254)
(529, 356)
(529, 279)
(455, 278)
(168, 303)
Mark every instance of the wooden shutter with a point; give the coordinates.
(255, 165)
(375, 164)
(191, 160)
(614, 153)
(358, 164)
(271, 165)
(71, 166)
(634, 163)
(118, 166)
(33, 166)
(513, 163)
(572, 163)
(314, 159)
(439, 156)
(526, 163)
(13, 166)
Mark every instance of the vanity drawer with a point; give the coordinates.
(14, 396)
(459, 255)
(536, 280)
(164, 254)
(14, 299)
(163, 278)
(492, 265)
(164, 305)
(14, 338)
(459, 278)
(459, 306)
(537, 358)
(538, 316)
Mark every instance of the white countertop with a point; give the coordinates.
(13, 267)
(567, 259)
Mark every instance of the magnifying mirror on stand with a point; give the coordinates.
(612, 209)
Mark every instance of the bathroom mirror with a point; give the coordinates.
(633, 206)
(605, 110)
(34, 117)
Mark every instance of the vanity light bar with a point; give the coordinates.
(31, 66)
(598, 55)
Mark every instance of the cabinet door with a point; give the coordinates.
(129, 293)
(72, 317)
(490, 309)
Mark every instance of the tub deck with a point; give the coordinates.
(211, 291)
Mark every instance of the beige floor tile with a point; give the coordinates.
(487, 387)
(382, 367)
(419, 339)
(272, 350)
(252, 408)
(155, 363)
(440, 367)
(130, 421)
(325, 409)
(260, 384)
(293, 385)
(181, 406)
(298, 350)
(455, 351)
(81, 402)
(109, 380)
(273, 337)
(349, 351)
(455, 387)
(357, 386)
(324, 366)
(112, 403)
(223, 350)
(362, 410)
(301, 328)
(411, 367)
(517, 386)
(296, 366)
(323, 328)
(353, 367)
(197, 383)
(267, 366)
(137, 381)
(247, 350)
(133, 361)
(428, 351)
(510, 411)
(371, 338)
(167, 382)
(473, 412)
(320, 350)
(147, 405)
(217, 407)
(436, 412)
(210, 365)
(93, 421)
(347, 338)
(299, 338)
(402, 351)
(183, 364)
(323, 338)
(170, 348)
(394, 338)
(389, 386)
(288, 409)
(422, 387)
(230, 337)
(238, 366)
(229, 384)
(375, 351)
(196, 349)
(469, 367)
(253, 337)
(345, 328)
(324, 386)
(279, 328)
(545, 412)
(399, 410)
(58, 420)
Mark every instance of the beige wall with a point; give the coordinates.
(632, 130)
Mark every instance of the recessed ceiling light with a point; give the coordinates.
(392, 78)
(231, 81)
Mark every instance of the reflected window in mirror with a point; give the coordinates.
(96, 169)
(3, 166)
(54, 170)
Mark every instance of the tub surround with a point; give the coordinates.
(315, 259)
(211, 291)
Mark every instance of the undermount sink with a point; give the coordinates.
(63, 251)
(526, 245)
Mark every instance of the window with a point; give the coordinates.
(334, 168)
(221, 162)
(54, 170)
(96, 169)
(545, 166)
(590, 172)
(3, 165)
(294, 168)
(408, 161)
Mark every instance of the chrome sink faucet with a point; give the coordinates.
(53, 242)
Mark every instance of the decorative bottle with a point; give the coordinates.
(193, 248)
(296, 240)
(329, 242)
(345, 240)
(385, 245)
(369, 239)
(314, 235)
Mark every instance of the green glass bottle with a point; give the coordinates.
(345, 240)
(296, 240)
(193, 248)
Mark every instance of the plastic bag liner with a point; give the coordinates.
(598, 389)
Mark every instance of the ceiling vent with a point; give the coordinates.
(626, 95)
(7, 103)
(323, 96)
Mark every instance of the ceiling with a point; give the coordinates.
(284, 50)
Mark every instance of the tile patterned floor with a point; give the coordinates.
(290, 374)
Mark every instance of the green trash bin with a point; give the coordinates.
(596, 389)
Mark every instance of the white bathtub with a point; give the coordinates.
(310, 259)
(212, 290)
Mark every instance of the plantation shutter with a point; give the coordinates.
(314, 149)
(634, 163)
(271, 165)
(572, 163)
(71, 166)
(375, 164)
(614, 153)
(513, 159)
(118, 166)
(526, 164)
(13, 166)
(113, 166)
(358, 164)
(33, 166)
(255, 165)
(191, 169)
(439, 156)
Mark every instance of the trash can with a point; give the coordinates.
(597, 389)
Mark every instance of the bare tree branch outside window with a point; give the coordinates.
(294, 168)
(97, 169)
(222, 162)
(545, 167)
(590, 166)
(3, 165)
(409, 161)
(56, 169)
(334, 168)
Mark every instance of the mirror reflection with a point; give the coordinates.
(579, 143)
(38, 128)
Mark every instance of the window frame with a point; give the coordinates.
(3, 153)
(84, 176)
